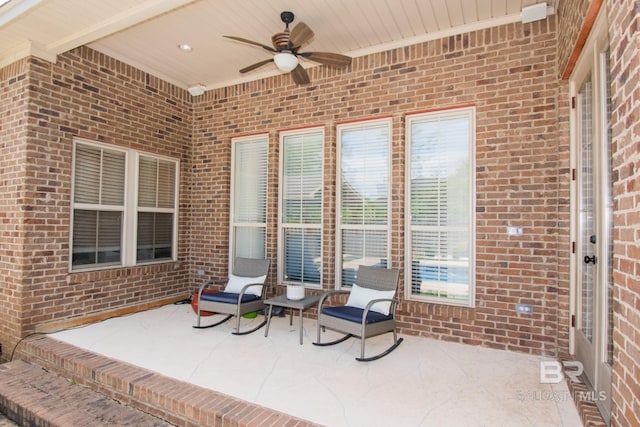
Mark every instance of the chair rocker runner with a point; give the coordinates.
(370, 310)
(244, 293)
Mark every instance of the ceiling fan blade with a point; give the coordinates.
(300, 34)
(300, 75)
(240, 39)
(327, 58)
(256, 65)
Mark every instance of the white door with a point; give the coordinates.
(593, 218)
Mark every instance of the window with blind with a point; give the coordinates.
(156, 208)
(300, 227)
(440, 188)
(104, 203)
(363, 197)
(249, 197)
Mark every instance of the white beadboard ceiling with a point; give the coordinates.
(146, 33)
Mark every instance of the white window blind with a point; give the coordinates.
(440, 166)
(301, 207)
(364, 198)
(249, 197)
(156, 208)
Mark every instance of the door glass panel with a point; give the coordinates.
(586, 207)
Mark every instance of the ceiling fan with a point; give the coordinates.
(286, 47)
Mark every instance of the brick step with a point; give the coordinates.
(33, 396)
(178, 402)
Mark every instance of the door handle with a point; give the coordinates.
(590, 259)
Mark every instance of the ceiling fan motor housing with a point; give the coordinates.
(280, 40)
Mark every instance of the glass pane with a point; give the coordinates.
(84, 237)
(155, 231)
(113, 174)
(250, 181)
(99, 176)
(96, 237)
(87, 174)
(608, 185)
(365, 175)
(303, 258)
(362, 247)
(440, 264)
(440, 172)
(156, 183)
(144, 247)
(147, 182)
(109, 237)
(302, 179)
(166, 184)
(249, 242)
(586, 206)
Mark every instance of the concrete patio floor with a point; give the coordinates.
(424, 382)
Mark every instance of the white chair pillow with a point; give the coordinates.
(360, 297)
(236, 283)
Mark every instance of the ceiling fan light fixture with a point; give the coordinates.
(285, 61)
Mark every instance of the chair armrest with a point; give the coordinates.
(392, 308)
(328, 294)
(204, 285)
(377, 300)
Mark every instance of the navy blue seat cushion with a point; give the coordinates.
(354, 314)
(228, 297)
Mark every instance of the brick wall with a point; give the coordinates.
(571, 13)
(624, 19)
(89, 95)
(13, 136)
(509, 74)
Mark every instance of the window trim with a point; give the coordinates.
(262, 137)
(281, 226)
(470, 111)
(360, 124)
(129, 208)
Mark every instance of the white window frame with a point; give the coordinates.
(470, 112)
(233, 222)
(282, 226)
(129, 208)
(141, 209)
(340, 128)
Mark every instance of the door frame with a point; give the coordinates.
(590, 62)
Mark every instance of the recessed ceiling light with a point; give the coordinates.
(185, 47)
